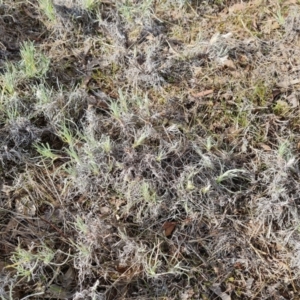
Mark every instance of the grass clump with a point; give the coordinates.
(33, 64)
(9, 79)
(47, 7)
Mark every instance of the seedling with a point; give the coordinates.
(46, 151)
(115, 110)
(106, 144)
(161, 155)
(43, 94)
(230, 174)
(140, 138)
(148, 195)
(81, 226)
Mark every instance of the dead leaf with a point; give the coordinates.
(122, 268)
(25, 206)
(198, 71)
(187, 221)
(237, 7)
(243, 59)
(254, 24)
(249, 283)
(275, 93)
(227, 95)
(236, 74)
(68, 278)
(202, 94)
(150, 37)
(187, 294)
(2, 265)
(265, 147)
(229, 64)
(267, 27)
(275, 25)
(217, 290)
(117, 202)
(104, 210)
(286, 84)
(214, 38)
(97, 103)
(290, 2)
(295, 69)
(57, 292)
(169, 227)
(293, 99)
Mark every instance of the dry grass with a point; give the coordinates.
(149, 149)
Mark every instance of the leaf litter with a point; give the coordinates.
(153, 111)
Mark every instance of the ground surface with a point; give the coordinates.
(149, 149)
